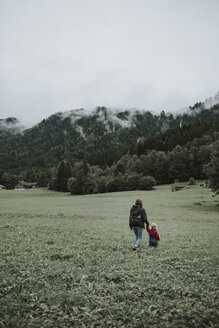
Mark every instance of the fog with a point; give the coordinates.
(146, 54)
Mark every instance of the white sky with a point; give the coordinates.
(58, 55)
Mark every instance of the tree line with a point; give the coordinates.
(143, 173)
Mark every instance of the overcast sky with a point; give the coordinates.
(58, 55)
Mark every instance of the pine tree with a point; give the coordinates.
(213, 168)
(64, 172)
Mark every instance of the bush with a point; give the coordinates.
(117, 183)
(192, 181)
(101, 186)
(53, 184)
(112, 185)
(74, 186)
(133, 181)
(90, 185)
(9, 180)
(147, 183)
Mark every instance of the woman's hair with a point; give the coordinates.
(138, 202)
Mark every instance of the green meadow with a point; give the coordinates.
(67, 261)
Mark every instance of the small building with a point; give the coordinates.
(179, 186)
(2, 187)
(25, 185)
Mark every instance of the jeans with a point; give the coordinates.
(138, 234)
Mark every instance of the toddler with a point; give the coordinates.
(153, 235)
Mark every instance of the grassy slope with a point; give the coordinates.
(67, 260)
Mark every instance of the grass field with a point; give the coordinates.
(67, 261)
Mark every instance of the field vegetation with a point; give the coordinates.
(67, 261)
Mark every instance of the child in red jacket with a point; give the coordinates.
(153, 235)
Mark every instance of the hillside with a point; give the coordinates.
(102, 138)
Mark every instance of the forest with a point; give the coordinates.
(102, 152)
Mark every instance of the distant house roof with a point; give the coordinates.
(27, 184)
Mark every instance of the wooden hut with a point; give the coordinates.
(25, 185)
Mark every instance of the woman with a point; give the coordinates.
(137, 220)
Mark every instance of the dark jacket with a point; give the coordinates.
(139, 210)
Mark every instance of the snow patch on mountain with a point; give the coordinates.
(198, 107)
(80, 130)
(75, 114)
(11, 126)
(212, 101)
(105, 115)
(111, 118)
(114, 118)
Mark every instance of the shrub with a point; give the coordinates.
(101, 185)
(192, 181)
(53, 184)
(133, 181)
(112, 185)
(74, 186)
(147, 183)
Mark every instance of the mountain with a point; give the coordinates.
(112, 118)
(100, 137)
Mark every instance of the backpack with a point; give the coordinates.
(135, 216)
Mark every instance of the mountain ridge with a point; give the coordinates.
(11, 125)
